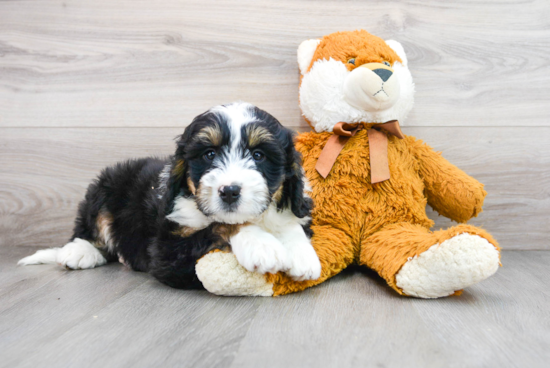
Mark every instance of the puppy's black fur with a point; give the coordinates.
(129, 198)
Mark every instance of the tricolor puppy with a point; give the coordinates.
(235, 182)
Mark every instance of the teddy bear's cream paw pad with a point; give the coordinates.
(458, 262)
(221, 274)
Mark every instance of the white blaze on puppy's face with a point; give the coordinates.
(232, 163)
(254, 194)
(234, 167)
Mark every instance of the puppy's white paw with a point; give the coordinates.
(261, 252)
(80, 254)
(456, 263)
(305, 262)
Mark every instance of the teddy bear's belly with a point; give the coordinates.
(347, 200)
(350, 203)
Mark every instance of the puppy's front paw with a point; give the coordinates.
(261, 253)
(305, 263)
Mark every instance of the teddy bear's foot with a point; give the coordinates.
(221, 274)
(456, 263)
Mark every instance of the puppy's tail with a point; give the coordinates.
(45, 256)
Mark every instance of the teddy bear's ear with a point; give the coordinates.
(305, 54)
(396, 46)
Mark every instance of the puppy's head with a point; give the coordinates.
(234, 161)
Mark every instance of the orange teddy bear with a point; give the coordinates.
(370, 183)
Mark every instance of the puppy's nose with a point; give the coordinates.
(384, 74)
(230, 193)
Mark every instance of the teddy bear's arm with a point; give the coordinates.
(450, 191)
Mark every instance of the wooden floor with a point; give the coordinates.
(112, 317)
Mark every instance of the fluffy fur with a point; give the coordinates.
(235, 181)
(383, 226)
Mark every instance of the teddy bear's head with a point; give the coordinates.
(353, 77)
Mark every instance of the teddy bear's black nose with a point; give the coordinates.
(384, 74)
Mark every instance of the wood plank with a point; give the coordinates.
(360, 322)
(111, 317)
(129, 63)
(44, 173)
(151, 327)
(48, 300)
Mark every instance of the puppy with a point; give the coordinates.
(235, 182)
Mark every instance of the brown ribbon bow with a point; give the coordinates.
(378, 146)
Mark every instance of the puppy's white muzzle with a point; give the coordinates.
(217, 185)
(371, 87)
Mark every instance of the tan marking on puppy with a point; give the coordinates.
(257, 134)
(224, 231)
(278, 194)
(203, 193)
(191, 186)
(210, 135)
(185, 231)
(178, 168)
(103, 225)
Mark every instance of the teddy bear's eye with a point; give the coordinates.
(351, 61)
(387, 63)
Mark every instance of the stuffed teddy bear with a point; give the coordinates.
(370, 183)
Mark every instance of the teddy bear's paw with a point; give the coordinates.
(456, 263)
(221, 274)
(305, 263)
(261, 252)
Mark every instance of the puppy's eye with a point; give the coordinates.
(387, 63)
(351, 61)
(258, 156)
(209, 155)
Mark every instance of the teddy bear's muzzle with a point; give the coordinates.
(372, 87)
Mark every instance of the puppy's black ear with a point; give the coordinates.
(293, 195)
(177, 181)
